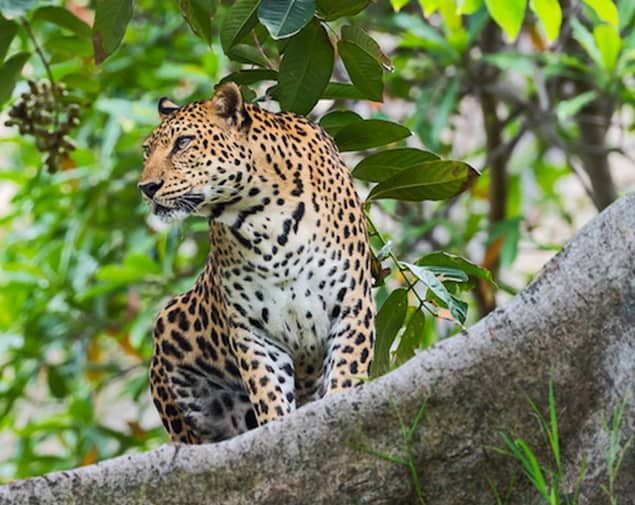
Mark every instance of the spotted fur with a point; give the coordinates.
(283, 312)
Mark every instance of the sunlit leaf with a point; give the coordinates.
(609, 43)
(508, 14)
(605, 9)
(550, 15)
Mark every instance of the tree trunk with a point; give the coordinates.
(575, 324)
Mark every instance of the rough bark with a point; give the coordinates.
(575, 323)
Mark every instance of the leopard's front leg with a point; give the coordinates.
(268, 373)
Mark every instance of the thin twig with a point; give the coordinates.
(261, 50)
(40, 53)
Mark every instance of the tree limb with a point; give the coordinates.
(575, 324)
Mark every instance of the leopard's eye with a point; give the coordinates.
(146, 151)
(182, 143)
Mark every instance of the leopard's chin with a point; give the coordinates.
(169, 215)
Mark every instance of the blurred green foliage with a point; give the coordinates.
(83, 270)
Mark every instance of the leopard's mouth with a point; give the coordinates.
(183, 206)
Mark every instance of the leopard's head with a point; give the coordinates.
(197, 160)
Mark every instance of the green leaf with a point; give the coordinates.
(238, 22)
(431, 180)
(444, 259)
(111, 19)
(198, 15)
(508, 14)
(251, 76)
(9, 73)
(387, 323)
(333, 9)
(56, 382)
(245, 53)
(341, 91)
(569, 108)
(608, 41)
(305, 69)
(8, 29)
(429, 7)
(284, 18)
(334, 121)
(605, 9)
(513, 60)
(550, 15)
(412, 338)
(366, 43)
(382, 165)
(362, 67)
(397, 5)
(586, 40)
(15, 8)
(369, 133)
(457, 308)
(468, 6)
(64, 19)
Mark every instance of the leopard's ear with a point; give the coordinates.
(227, 103)
(166, 107)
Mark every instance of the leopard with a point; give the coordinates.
(282, 313)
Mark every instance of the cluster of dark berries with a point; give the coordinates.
(44, 113)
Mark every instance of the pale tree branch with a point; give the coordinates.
(573, 325)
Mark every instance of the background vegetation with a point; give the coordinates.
(537, 96)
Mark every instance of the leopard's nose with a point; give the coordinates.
(150, 188)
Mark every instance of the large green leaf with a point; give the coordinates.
(284, 18)
(444, 259)
(366, 43)
(382, 165)
(550, 15)
(341, 91)
(362, 58)
(9, 72)
(508, 14)
(431, 180)
(387, 323)
(587, 41)
(605, 9)
(63, 18)
(333, 9)
(334, 121)
(8, 29)
(238, 22)
(111, 19)
(412, 338)
(305, 69)
(369, 133)
(608, 41)
(198, 14)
